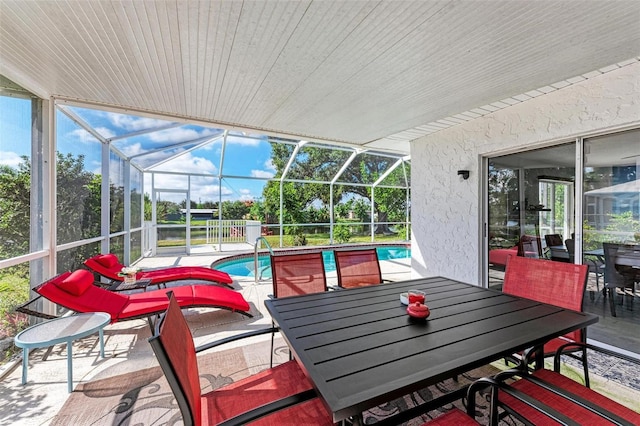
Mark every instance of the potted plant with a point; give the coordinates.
(129, 273)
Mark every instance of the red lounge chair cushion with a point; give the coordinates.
(109, 266)
(108, 260)
(121, 306)
(178, 273)
(500, 256)
(577, 413)
(94, 299)
(452, 417)
(77, 283)
(187, 296)
(269, 385)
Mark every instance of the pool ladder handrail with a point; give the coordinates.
(255, 256)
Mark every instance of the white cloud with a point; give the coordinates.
(133, 123)
(105, 132)
(187, 163)
(202, 189)
(177, 134)
(268, 173)
(245, 195)
(209, 192)
(236, 140)
(269, 165)
(133, 149)
(262, 174)
(9, 158)
(83, 136)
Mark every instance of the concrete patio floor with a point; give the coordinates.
(126, 346)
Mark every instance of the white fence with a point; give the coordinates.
(232, 231)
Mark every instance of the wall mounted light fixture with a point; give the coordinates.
(464, 174)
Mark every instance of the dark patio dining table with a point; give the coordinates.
(627, 255)
(361, 349)
(627, 259)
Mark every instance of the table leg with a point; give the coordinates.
(25, 364)
(69, 366)
(101, 334)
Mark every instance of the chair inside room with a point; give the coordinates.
(281, 395)
(357, 268)
(557, 250)
(614, 279)
(556, 283)
(530, 246)
(294, 274)
(596, 267)
(553, 240)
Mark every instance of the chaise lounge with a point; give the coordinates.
(109, 267)
(76, 291)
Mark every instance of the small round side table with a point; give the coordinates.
(61, 330)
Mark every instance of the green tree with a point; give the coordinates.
(342, 209)
(342, 234)
(15, 192)
(258, 211)
(147, 208)
(362, 210)
(78, 208)
(300, 197)
(167, 210)
(232, 210)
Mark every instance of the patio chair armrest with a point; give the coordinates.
(525, 359)
(269, 408)
(552, 385)
(229, 339)
(559, 353)
(496, 386)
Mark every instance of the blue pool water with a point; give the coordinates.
(244, 267)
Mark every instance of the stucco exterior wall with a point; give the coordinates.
(446, 216)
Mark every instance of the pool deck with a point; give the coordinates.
(126, 346)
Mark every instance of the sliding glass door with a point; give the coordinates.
(611, 235)
(531, 195)
(538, 206)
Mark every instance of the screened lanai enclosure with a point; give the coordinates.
(186, 187)
(190, 185)
(144, 128)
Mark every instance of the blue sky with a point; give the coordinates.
(244, 156)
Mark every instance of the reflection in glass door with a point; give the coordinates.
(611, 236)
(530, 196)
(544, 183)
(611, 189)
(558, 196)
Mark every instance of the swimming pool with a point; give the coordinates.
(243, 265)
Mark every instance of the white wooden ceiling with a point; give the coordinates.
(371, 73)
